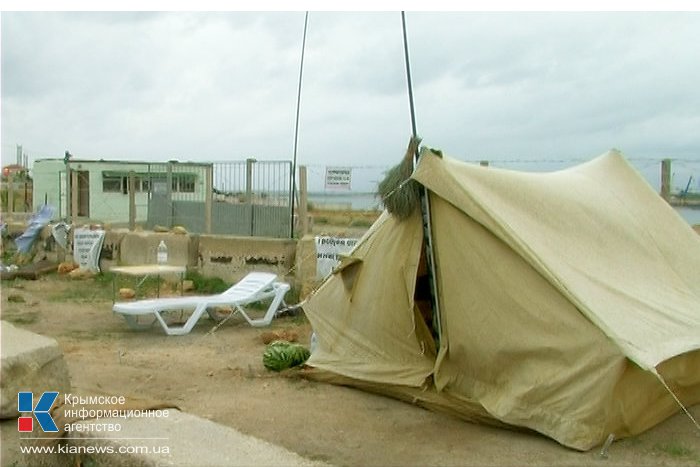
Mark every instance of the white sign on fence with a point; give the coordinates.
(87, 245)
(338, 178)
(328, 251)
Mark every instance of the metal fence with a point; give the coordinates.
(250, 198)
(360, 193)
(16, 196)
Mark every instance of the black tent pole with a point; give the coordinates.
(296, 131)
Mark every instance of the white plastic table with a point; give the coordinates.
(146, 270)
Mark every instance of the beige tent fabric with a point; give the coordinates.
(601, 236)
(560, 296)
(364, 317)
(515, 343)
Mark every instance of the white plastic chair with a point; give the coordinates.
(254, 287)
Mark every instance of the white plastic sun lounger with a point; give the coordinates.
(254, 287)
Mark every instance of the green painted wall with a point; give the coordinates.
(49, 184)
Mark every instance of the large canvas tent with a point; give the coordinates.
(568, 301)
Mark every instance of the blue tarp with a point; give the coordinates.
(37, 222)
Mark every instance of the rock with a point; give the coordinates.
(66, 267)
(221, 312)
(29, 362)
(15, 298)
(179, 230)
(127, 293)
(282, 335)
(80, 273)
(160, 228)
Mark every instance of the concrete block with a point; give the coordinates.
(30, 362)
(188, 440)
(138, 248)
(14, 442)
(306, 266)
(231, 258)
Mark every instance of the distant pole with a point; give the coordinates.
(666, 179)
(296, 129)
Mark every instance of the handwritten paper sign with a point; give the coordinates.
(328, 251)
(87, 245)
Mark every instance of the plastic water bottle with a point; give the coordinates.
(162, 256)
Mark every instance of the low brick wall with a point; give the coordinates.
(224, 256)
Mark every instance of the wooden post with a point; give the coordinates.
(208, 195)
(169, 192)
(132, 201)
(249, 190)
(66, 159)
(25, 198)
(74, 196)
(302, 212)
(666, 179)
(10, 194)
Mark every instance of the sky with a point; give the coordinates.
(532, 89)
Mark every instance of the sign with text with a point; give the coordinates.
(87, 245)
(338, 178)
(328, 251)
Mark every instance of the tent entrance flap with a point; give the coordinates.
(364, 314)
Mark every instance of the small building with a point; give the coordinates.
(101, 188)
(14, 170)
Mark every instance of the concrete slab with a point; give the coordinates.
(178, 439)
(140, 248)
(30, 362)
(231, 258)
(17, 451)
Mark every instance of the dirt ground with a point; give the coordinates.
(220, 376)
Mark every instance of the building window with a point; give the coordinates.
(118, 182)
(186, 183)
(183, 183)
(111, 183)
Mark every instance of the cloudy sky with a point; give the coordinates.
(508, 86)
